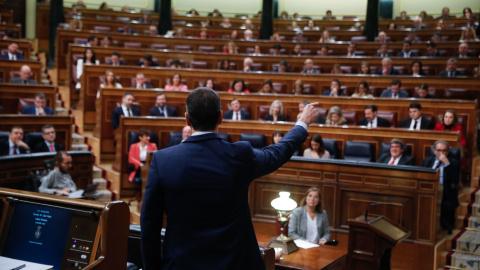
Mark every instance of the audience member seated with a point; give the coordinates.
(311, 26)
(248, 35)
(88, 59)
(308, 68)
(234, 35)
(423, 92)
(412, 38)
(335, 117)
(15, 144)
(301, 106)
(417, 24)
(324, 50)
(328, 16)
(13, 53)
(152, 31)
(450, 123)
(364, 68)
(392, 26)
(282, 67)
(209, 83)
(140, 82)
(39, 106)
(126, 29)
(247, 65)
(75, 24)
(146, 18)
(298, 88)
(387, 68)
(225, 64)
(297, 50)
(432, 50)
(351, 50)
(403, 16)
(137, 155)
(238, 86)
(445, 14)
(406, 50)
(440, 25)
(176, 83)
(24, 78)
(336, 69)
(463, 51)
(326, 37)
(383, 51)
(335, 89)
(92, 41)
(371, 119)
(416, 121)
(115, 58)
(161, 108)
(277, 136)
(417, 68)
(125, 109)
(276, 49)
(299, 36)
(467, 13)
(110, 80)
(226, 23)
(248, 25)
(468, 35)
(235, 113)
(382, 37)
(175, 64)
(394, 91)
(257, 51)
(317, 148)
(186, 132)
(107, 41)
(309, 222)
(49, 144)
(59, 181)
(147, 61)
(276, 112)
(267, 87)
(396, 156)
(451, 70)
(230, 48)
(362, 90)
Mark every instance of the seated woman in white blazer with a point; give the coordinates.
(309, 222)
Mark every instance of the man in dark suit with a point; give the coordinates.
(247, 65)
(235, 113)
(445, 14)
(383, 51)
(116, 59)
(449, 178)
(39, 106)
(417, 24)
(406, 50)
(205, 196)
(451, 70)
(126, 29)
(161, 108)
(24, 78)
(14, 145)
(416, 121)
(13, 53)
(432, 50)
(387, 68)
(463, 51)
(140, 82)
(49, 145)
(396, 156)
(309, 68)
(371, 119)
(394, 91)
(147, 61)
(125, 109)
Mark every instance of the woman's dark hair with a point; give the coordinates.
(277, 132)
(298, 82)
(222, 64)
(318, 208)
(209, 79)
(203, 109)
(394, 25)
(179, 76)
(339, 84)
(424, 86)
(269, 82)
(365, 84)
(420, 71)
(469, 9)
(455, 116)
(103, 5)
(85, 56)
(244, 87)
(142, 132)
(318, 139)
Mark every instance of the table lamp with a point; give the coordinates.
(283, 204)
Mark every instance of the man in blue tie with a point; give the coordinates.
(451, 70)
(202, 186)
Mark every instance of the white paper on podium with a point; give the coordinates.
(7, 263)
(305, 244)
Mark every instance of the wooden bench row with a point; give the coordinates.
(10, 95)
(7, 67)
(23, 45)
(16, 28)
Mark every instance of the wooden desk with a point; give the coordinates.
(323, 257)
(11, 93)
(7, 65)
(16, 28)
(23, 45)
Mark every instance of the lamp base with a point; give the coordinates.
(288, 245)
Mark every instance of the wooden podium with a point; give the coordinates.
(370, 243)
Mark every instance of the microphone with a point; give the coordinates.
(373, 204)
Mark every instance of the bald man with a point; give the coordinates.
(24, 78)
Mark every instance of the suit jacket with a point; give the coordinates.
(134, 157)
(20, 81)
(171, 111)
(243, 115)
(117, 112)
(436, 54)
(457, 55)
(404, 160)
(388, 93)
(42, 147)
(455, 73)
(5, 56)
(205, 198)
(392, 71)
(314, 71)
(269, 117)
(441, 127)
(5, 148)
(328, 92)
(412, 54)
(147, 86)
(31, 110)
(451, 178)
(297, 225)
(424, 123)
(381, 122)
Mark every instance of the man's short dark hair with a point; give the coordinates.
(12, 42)
(127, 94)
(398, 141)
(415, 105)
(396, 82)
(408, 41)
(91, 38)
(161, 94)
(442, 142)
(431, 44)
(109, 37)
(277, 46)
(40, 96)
(142, 132)
(59, 156)
(306, 102)
(325, 46)
(14, 127)
(148, 57)
(116, 53)
(203, 109)
(372, 107)
(46, 126)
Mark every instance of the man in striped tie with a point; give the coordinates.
(48, 145)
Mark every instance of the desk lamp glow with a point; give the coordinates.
(283, 204)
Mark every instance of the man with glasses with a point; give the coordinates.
(48, 145)
(58, 181)
(449, 180)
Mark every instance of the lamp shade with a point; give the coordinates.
(284, 202)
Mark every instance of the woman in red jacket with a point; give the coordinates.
(138, 155)
(450, 123)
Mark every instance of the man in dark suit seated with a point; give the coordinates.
(24, 76)
(247, 65)
(451, 70)
(39, 106)
(416, 121)
(49, 145)
(394, 91)
(371, 119)
(126, 29)
(147, 61)
(125, 109)
(205, 196)
(235, 113)
(406, 50)
(417, 24)
(449, 179)
(161, 108)
(387, 68)
(116, 59)
(463, 51)
(14, 145)
(140, 82)
(12, 53)
(432, 50)
(383, 51)
(308, 68)
(396, 156)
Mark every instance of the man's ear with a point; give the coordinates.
(186, 118)
(221, 118)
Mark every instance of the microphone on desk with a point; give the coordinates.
(373, 204)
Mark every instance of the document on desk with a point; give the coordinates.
(12, 264)
(305, 244)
